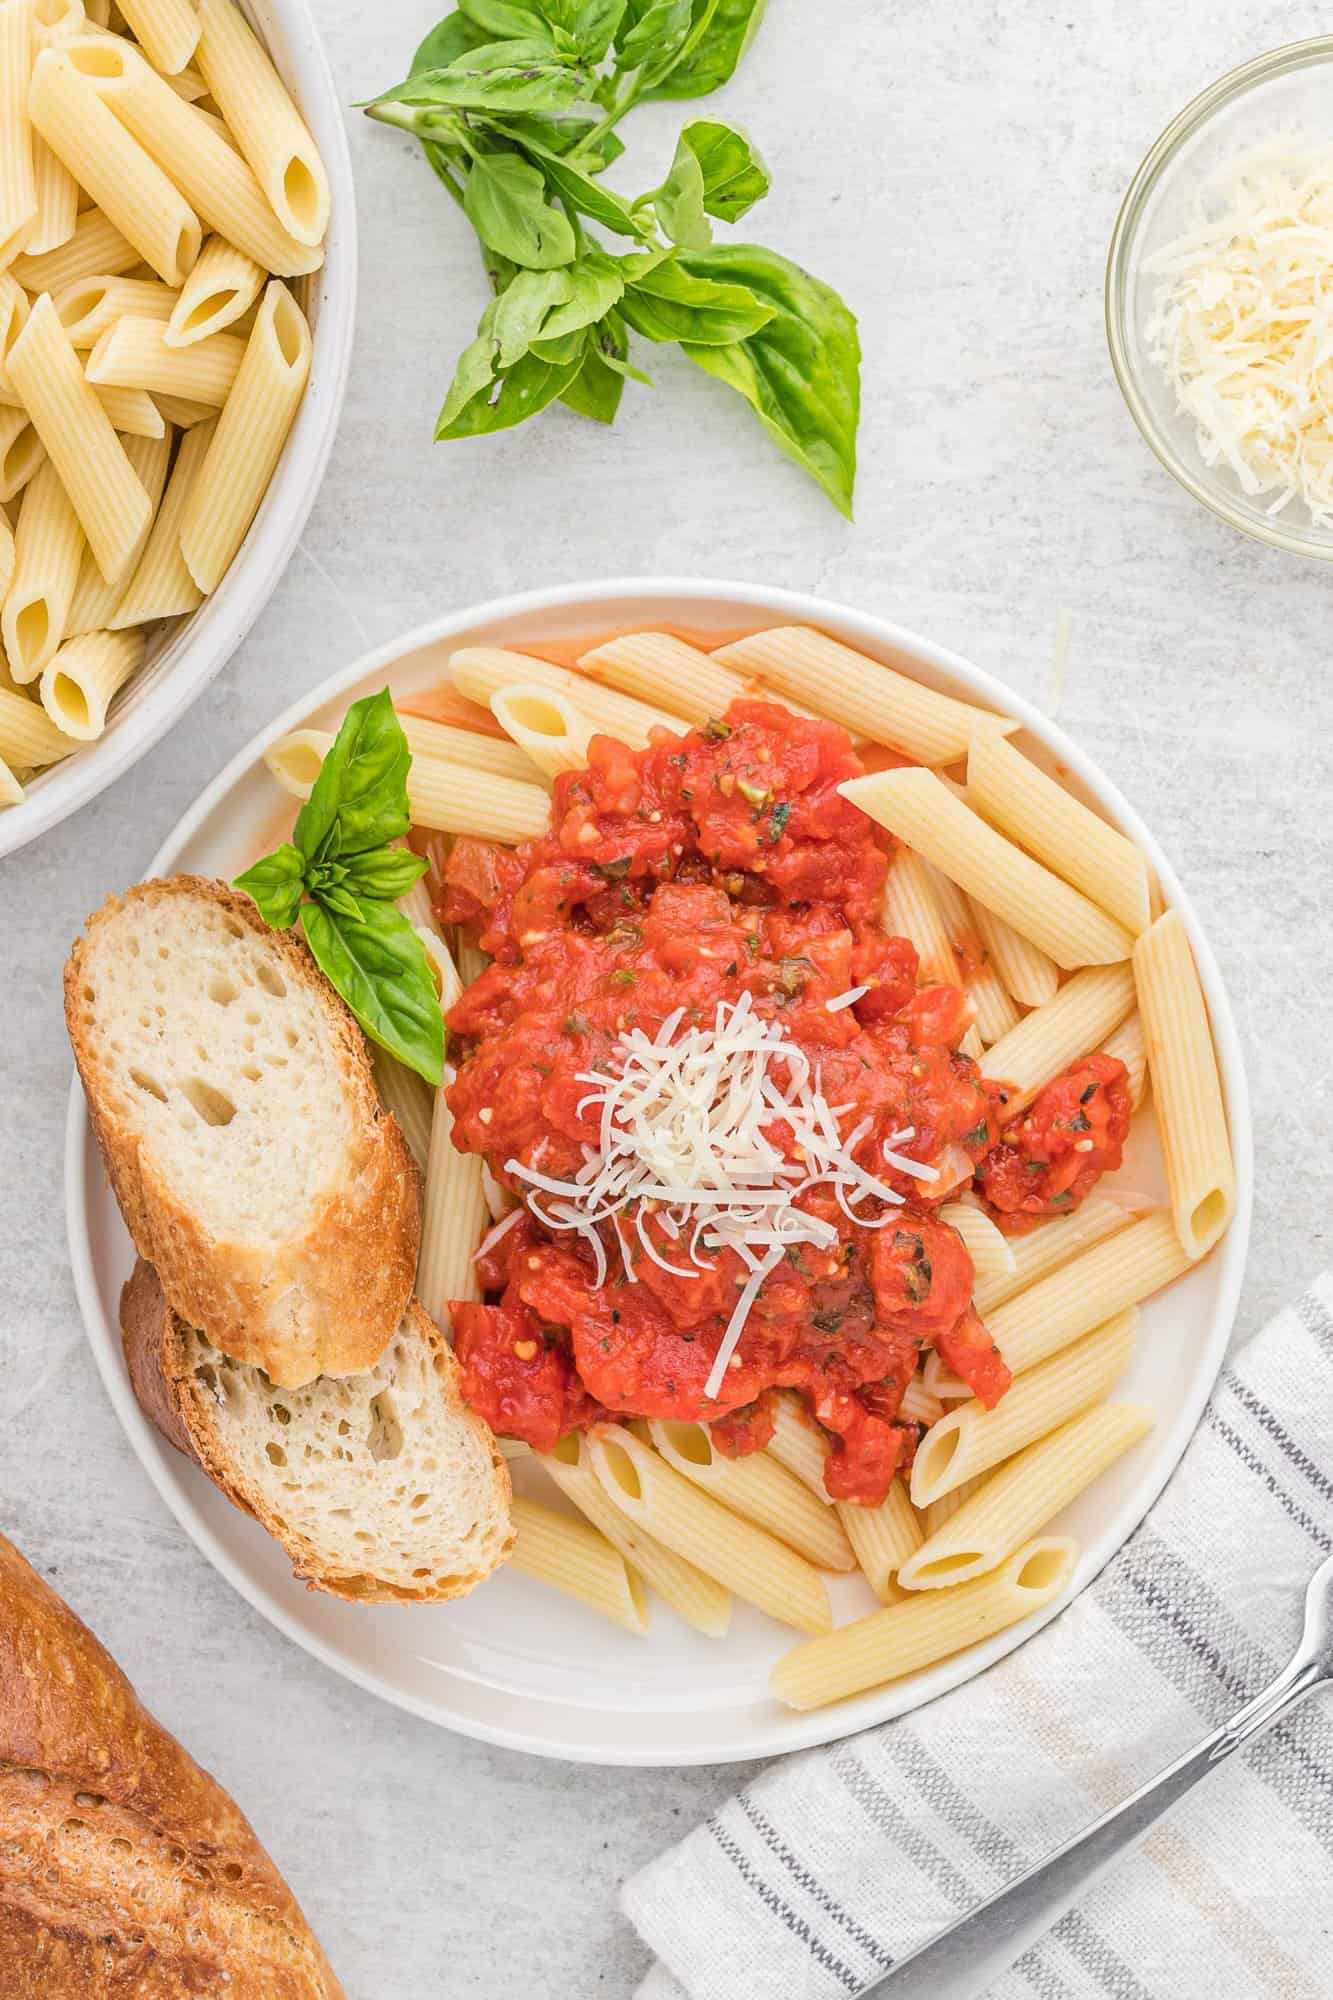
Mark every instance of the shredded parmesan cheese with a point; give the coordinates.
(1242, 327)
(685, 1139)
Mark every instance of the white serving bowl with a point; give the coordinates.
(515, 1663)
(184, 656)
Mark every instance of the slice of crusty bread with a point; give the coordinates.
(233, 1100)
(381, 1486)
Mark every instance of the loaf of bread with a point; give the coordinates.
(126, 1873)
(232, 1097)
(381, 1486)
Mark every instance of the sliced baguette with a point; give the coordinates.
(380, 1487)
(233, 1100)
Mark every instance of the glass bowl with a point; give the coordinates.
(1289, 89)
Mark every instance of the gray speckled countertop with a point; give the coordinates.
(956, 172)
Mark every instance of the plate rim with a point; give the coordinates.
(786, 1732)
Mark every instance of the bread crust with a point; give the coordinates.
(326, 1304)
(126, 1872)
(157, 1356)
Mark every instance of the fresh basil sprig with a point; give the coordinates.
(340, 875)
(515, 103)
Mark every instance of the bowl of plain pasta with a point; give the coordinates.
(177, 284)
(791, 1153)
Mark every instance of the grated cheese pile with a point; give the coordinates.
(683, 1137)
(1242, 329)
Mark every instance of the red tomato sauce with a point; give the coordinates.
(1051, 1155)
(712, 864)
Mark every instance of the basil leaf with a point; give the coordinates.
(579, 189)
(652, 31)
(505, 20)
(450, 38)
(589, 24)
(504, 198)
(570, 347)
(276, 883)
(596, 284)
(377, 963)
(523, 309)
(550, 136)
(336, 898)
(359, 799)
(669, 301)
(679, 202)
(800, 371)
(386, 874)
(726, 29)
(734, 177)
(518, 393)
(597, 388)
(521, 82)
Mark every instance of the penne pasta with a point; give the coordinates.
(760, 1489)
(1052, 1243)
(132, 412)
(920, 810)
(933, 1518)
(1129, 1045)
(1026, 1493)
(211, 176)
(923, 1628)
(13, 318)
(161, 586)
(697, 1598)
(6, 554)
(1113, 1275)
(250, 434)
(573, 1558)
(972, 1439)
(940, 1381)
(408, 1098)
(995, 1011)
(799, 1444)
(439, 961)
(21, 452)
(918, 1406)
(911, 909)
(1188, 1092)
(28, 737)
(124, 181)
(11, 791)
(655, 668)
(132, 353)
(96, 249)
(453, 745)
(987, 1245)
(1083, 1013)
(860, 693)
(453, 1217)
(90, 307)
(48, 547)
(166, 30)
(18, 190)
(79, 683)
(478, 672)
(882, 1537)
(750, 1563)
(179, 410)
(188, 83)
(268, 128)
(219, 291)
(1023, 802)
(452, 798)
(57, 200)
(1029, 975)
(545, 726)
(96, 600)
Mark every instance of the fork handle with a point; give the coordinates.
(967, 1958)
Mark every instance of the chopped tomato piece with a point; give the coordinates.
(1051, 1155)
(968, 1349)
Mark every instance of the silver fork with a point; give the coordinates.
(963, 1961)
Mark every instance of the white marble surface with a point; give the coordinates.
(956, 172)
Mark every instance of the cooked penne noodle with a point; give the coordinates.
(1188, 1092)
(1023, 1495)
(453, 1217)
(480, 671)
(1053, 1243)
(221, 288)
(48, 547)
(133, 353)
(57, 200)
(416, 905)
(188, 83)
(444, 740)
(211, 176)
(91, 306)
(753, 1565)
(1030, 976)
(6, 554)
(939, 1511)
(923, 1628)
(409, 1098)
(545, 726)
(1084, 1012)
(21, 452)
(914, 805)
(117, 171)
(11, 790)
(132, 412)
(971, 1439)
(987, 1245)
(250, 434)
(1020, 799)
(166, 30)
(799, 1445)
(918, 1406)
(13, 318)
(267, 126)
(573, 1558)
(940, 1381)
(882, 1537)
(697, 1598)
(179, 410)
(655, 668)
(860, 693)
(1120, 1272)
(295, 759)
(451, 798)
(439, 963)
(96, 600)
(28, 737)
(89, 458)
(995, 1011)
(79, 682)
(911, 909)
(18, 191)
(161, 586)
(1129, 1045)
(96, 249)
(760, 1489)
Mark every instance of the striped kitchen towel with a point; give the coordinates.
(832, 1864)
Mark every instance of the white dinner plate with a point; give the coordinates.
(515, 1663)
